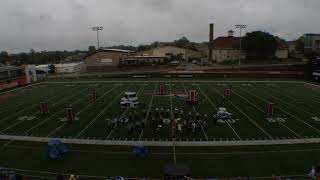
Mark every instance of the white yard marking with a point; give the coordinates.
(171, 109)
(20, 88)
(214, 106)
(252, 104)
(177, 81)
(194, 109)
(295, 117)
(35, 114)
(122, 115)
(288, 104)
(190, 143)
(44, 121)
(317, 119)
(78, 113)
(53, 115)
(177, 153)
(250, 119)
(151, 101)
(95, 119)
(29, 107)
(174, 154)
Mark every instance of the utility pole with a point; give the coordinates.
(240, 27)
(97, 29)
(211, 29)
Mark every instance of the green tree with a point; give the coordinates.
(259, 44)
(91, 49)
(182, 42)
(143, 47)
(155, 44)
(299, 44)
(4, 57)
(52, 69)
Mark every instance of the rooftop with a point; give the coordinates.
(118, 50)
(312, 34)
(68, 64)
(229, 42)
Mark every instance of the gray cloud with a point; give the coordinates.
(65, 24)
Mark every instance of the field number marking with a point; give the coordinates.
(277, 119)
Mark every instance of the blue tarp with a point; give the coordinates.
(140, 151)
(56, 149)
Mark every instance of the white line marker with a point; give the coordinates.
(151, 101)
(257, 125)
(91, 122)
(295, 133)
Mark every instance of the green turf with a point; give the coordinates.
(295, 101)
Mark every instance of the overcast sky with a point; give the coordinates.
(65, 24)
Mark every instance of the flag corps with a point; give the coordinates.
(44, 108)
(162, 89)
(227, 94)
(93, 96)
(270, 110)
(192, 98)
(70, 115)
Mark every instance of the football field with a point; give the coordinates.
(101, 144)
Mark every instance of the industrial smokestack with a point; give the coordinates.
(210, 42)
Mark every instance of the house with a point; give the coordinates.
(105, 59)
(282, 51)
(70, 67)
(43, 67)
(168, 51)
(226, 48)
(142, 60)
(291, 46)
(311, 43)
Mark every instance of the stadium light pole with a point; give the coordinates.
(97, 29)
(240, 27)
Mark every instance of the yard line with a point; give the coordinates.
(148, 112)
(313, 98)
(154, 81)
(18, 122)
(29, 107)
(122, 115)
(214, 106)
(170, 95)
(42, 122)
(91, 122)
(194, 109)
(295, 133)
(289, 97)
(297, 118)
(78, 113)
(19, 88)
(256, 124)
(174, 154)
(177, 153)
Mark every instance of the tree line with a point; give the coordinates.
(256, 44)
